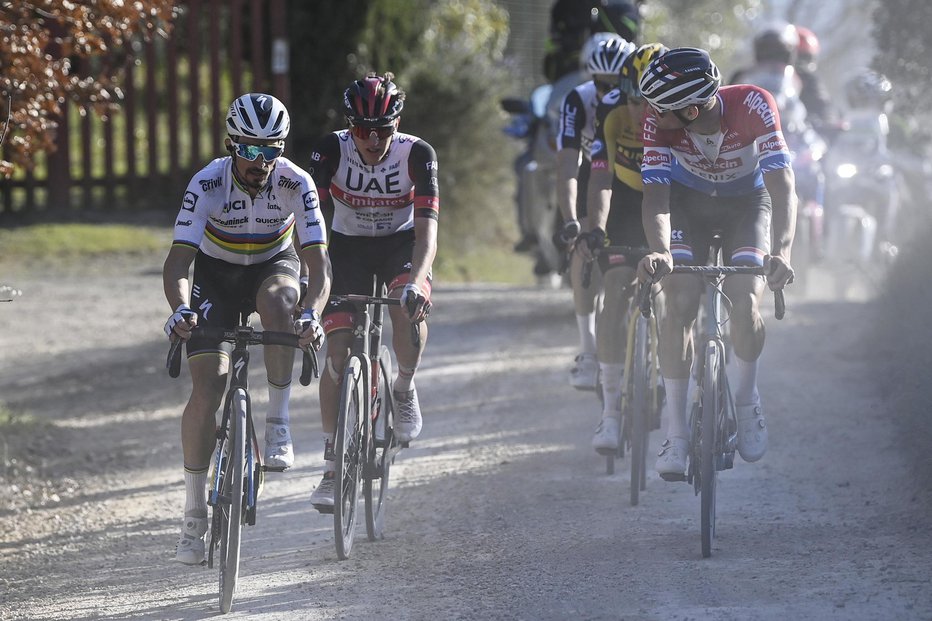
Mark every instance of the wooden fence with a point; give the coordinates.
(171, 116)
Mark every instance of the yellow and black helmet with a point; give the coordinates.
(635, 64)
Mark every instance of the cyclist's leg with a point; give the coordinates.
(584, 373)
(395, 270)
(208, 362)
(746, 243)
(276, 295)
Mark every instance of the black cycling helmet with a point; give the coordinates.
(373, 101)
(777, 43)
(621, 17)
(684, 76)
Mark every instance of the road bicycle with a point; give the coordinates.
(712, 421)
(642, 394)
(237, 472)
(365, 446)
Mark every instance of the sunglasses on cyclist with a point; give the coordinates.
(362, 132)
(604, 85)
(252, 152)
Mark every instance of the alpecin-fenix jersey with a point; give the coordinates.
(752, 144)
(219, 217)
(380, 200)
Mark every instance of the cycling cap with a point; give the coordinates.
(257, 115)
(607, 57)
(373, 101)
(635, 64)
(684, 76)
(809, 48)
(776, 43)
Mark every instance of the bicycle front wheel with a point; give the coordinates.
(640, 425)
(381, 451)
(350, 455)
(712, 404)
(231, 501)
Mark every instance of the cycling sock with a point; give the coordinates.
(195, 487)
(405, 380)
(586, 324)
(329, 465)
(278, 404)
(675, 408)
(746, 385)
(611, 388)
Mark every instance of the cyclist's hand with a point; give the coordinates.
(565, 237)
(181, 322)
(415, 304)
(588, 242)
(780, 272)
(309, 331)
(654, 266)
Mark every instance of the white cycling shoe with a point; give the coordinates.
(407, 416)
(585, 372)
(322, 496)
(191, 549)
(605, 439)
(752, 432)
(671, 460)
(279, 451)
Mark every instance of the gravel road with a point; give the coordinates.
(499, 511)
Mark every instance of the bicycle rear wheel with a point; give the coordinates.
(380, 453)
(640, 425)
(712, 404)
(350, 455)
(231, 502)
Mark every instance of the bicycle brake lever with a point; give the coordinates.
(173, 362)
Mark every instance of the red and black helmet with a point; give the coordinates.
(373, 101)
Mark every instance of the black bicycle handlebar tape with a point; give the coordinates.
(779, 304)
(309, 367)
(644, 298)
(587, 274)
(173, 363)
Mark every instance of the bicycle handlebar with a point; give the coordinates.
(629, 255)
(356, 298)
(246, 336)
(779, 301)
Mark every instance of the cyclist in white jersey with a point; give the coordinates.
(714, 160)
(237, 224)
(574, 145)
(382, 187)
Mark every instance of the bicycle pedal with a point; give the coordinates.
(372, 471)
(327, 509)
(266, 468)
(673, 477)
(608, 452)
(404, 445)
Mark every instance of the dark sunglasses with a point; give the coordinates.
(602, 85)
(251, 152)
(362, 132)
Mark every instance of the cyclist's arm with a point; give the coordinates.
(655, 216)
(569, 150)
(780, 185)
(423, 168)
(175, 275)
(317, 262)
(601, 173)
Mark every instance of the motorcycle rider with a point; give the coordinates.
(574, 145)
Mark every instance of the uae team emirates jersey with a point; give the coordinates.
(752, 144)
(219, 217)
(380, 200)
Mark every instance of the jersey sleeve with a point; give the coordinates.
(656, 164)
(773, 151)
(602, 154)
(192, 217)
(423, 171)
(325, 157)
(309, 221)
(572, 121)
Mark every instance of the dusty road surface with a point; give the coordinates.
(499, 511)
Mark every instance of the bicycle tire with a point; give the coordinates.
(232, 501)
(640, 425)
(380, 453)
(711, 408)
(350, 455)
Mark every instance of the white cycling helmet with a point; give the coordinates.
(608, 56)
(257, 115)
(592, 44)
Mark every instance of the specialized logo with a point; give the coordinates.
(205, 306)
(239, 366)
(189, 202)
